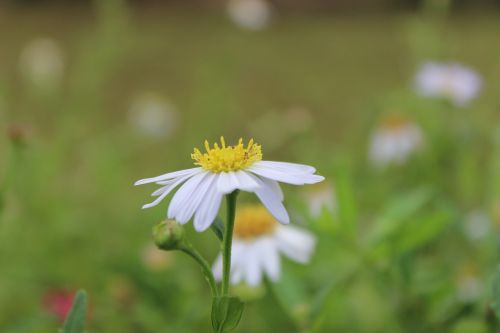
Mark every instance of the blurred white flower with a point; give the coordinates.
(395, 141)
(452, 81)
(153, 116)
(258, 243)
(298, 120)
(42, 62)
(320, 196)
(155, 259)
(468, 284)
(249, 14)
(477, 225)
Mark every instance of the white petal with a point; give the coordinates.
(295, 243)
(169, 175)
(238, 260)
(237, 263)
(246, 182)
(268, 254)
(227, 183)
(207, 211)
(163, 188)
(182, 197)
(217, 268)
(272, 200)
(287, 167)
(275, 187)
(166, 190)
(236, 180)
(253, 270)
(191, 204)
(286, 177)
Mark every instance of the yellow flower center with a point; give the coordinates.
(227, 158)
(253, 221)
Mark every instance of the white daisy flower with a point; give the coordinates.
(452, 81)
(477, 225)
(153, 116)
(468, 284)
(42, 62)
(249, 14)
(155, 259)
(319, 197)
(394, 141)
(221, 171)
(258, 243)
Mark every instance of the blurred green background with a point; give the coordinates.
(94, 96)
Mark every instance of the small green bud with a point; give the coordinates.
(168, 235)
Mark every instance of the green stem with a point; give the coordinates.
(227, 242)
(205, 267)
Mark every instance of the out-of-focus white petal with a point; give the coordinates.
(295, 243)
(238, 259)
(217, 268)
(452, 81)
(269, 257)
(249, 14)
(253, 269)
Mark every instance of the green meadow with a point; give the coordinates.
(409, 247)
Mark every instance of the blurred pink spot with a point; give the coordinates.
(58, 303)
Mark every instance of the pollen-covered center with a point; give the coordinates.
(253, 221)
(227, 158)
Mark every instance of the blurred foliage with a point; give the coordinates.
(394, 256)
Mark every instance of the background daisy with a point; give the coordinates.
(258, 244)
(394, 141)
(451, 81)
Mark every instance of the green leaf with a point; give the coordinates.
(399, 211)
(344, 191)
(75, 322)
(226, 313)
(495, 304)
(218, 228)
(421, 230)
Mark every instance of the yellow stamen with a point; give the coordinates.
(227, 158)
(253, 221)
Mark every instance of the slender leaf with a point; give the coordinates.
(218, 228)
(75, 322)
(226, 313)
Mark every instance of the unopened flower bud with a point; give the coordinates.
(168, 235)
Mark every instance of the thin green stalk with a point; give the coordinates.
(191, 251)
(227, 242)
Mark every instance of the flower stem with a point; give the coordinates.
(205, 267)
(227, 242)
